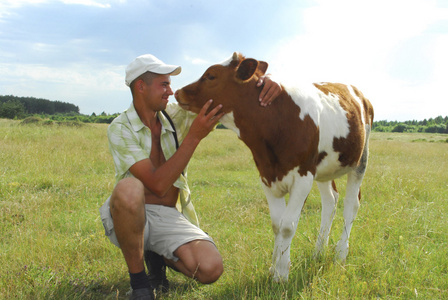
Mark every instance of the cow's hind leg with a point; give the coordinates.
(351, 204)
(329, 196)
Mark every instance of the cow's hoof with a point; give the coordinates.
(341, 252)
(277, 277)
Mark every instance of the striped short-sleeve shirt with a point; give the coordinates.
(130, 142)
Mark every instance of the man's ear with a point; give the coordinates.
(246, 69)
(139, 84)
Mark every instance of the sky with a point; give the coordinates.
(76, 51)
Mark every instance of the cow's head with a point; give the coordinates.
(227, 84)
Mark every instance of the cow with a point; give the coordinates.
(318, 132)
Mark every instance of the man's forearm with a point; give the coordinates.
(169, 172)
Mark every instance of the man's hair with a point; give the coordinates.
(147, 78)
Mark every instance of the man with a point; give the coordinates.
(150, 208)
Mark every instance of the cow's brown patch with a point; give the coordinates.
(351, 147)
(278, 138)
(333, 185)
(368, 108)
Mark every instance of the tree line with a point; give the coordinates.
(431, 125)
(12, 107)
(19, 107)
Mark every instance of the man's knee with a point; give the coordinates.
(128, 194)
(210, 271)
(210, 266)
(200, 260)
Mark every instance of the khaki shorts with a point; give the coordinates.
(166, 229)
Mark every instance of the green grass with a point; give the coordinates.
(53, 179)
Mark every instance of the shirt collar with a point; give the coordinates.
(134, 119)
(137, 124)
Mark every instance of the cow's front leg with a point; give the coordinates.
(277, 207)
(285, 226)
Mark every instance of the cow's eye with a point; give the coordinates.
(210, 77)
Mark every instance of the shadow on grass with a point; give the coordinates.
(120, 289)
(41, 282)
(93, 289)
(303, 275)
(255, 284)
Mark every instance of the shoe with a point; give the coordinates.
(156, 271)
(142, 294)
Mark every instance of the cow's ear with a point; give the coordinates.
(262, 66)
(246, 69)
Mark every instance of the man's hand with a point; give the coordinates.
(270, 91)
(205, 123)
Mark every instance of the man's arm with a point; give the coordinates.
(160, 179)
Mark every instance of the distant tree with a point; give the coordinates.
(438, 120)
(439, 128)
(382, 129)
(12, 109)
(400, 128)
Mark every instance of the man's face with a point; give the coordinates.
(158, 92)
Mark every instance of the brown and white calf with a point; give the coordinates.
(312, 133)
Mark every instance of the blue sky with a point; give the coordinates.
(394, 51)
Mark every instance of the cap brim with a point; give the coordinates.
(168, 70)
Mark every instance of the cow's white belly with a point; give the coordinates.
(330, 168)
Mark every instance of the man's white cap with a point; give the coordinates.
(148, 62)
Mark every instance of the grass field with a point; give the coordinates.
(54, 178)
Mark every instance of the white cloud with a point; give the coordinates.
(102, 4)
(440, 56)
(195, 60)
(356, 42)
(82, 76)
(19, 3)
(7, 5)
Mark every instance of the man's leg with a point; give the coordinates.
(127, 207)
(156, 271)
(200, 260)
